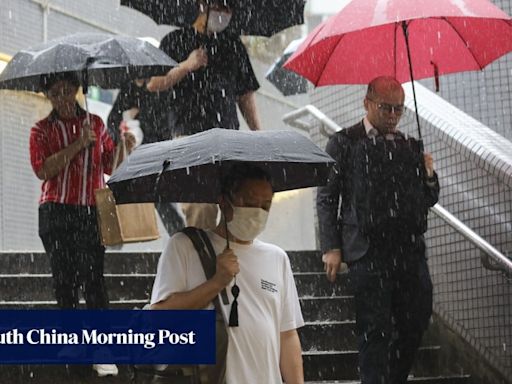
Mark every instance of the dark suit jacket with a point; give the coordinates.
(337, 217)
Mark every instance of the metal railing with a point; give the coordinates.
(329, 127)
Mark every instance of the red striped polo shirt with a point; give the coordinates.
(76, 183)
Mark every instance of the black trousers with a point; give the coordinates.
(393, 300)
(70, 237)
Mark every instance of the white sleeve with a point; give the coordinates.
(291, 317)
(171, 275)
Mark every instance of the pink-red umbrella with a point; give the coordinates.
(403, 38)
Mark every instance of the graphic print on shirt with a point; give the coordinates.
(269, 286)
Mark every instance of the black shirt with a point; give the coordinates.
(207, 97)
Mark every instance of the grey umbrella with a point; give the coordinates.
(288, 82)
(98, 59)
(189, 169)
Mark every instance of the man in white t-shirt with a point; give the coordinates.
(265, 347)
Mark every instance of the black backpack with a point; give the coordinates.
(389, 186)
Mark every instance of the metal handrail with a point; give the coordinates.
(328, 127)
(474, 238)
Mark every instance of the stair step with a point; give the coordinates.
(52, 374)
(306, 261)
(115, 262)
(337, 308)
(131, 262)
(326, 336)
(339, 364)
(464, 379)
(52, 304)
(315, 284)
(30, 287)
(39, 287)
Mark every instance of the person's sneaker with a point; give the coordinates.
(105, 369)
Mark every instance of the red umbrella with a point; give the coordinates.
(403, 38)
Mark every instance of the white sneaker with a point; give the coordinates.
(105, 369)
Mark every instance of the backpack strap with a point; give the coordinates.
(206, 253)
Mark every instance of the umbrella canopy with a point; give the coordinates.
(189, 169)
(288, 82)
(99, 59)
(404, 39)
(250, 17)
(367, 39)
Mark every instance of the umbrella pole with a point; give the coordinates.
(235, 290)
(87, 109)
(406, 35)
(85, 86)
(225, 228)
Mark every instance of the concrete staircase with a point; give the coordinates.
(328, 341)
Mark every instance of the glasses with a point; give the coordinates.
(388, 108)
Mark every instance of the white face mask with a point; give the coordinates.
(218, 21)
(247, 222)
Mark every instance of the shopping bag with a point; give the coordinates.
(124, 223)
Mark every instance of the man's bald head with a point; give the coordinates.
(383, 85)
(384, 103)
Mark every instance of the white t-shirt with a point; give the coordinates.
(268, 303)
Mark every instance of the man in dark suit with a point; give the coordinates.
(372, 215)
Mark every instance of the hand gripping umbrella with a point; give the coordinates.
(190, 169)
(404, 39)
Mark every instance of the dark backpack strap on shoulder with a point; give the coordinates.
(207, 261)
(206, 253)
(215, 374)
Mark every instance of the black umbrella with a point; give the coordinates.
(288, 82)
(250, 17)
(189, 169)
(98, 59)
